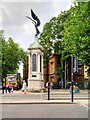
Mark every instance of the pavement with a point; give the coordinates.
(41, 100)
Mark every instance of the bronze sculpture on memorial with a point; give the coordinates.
(35, 21)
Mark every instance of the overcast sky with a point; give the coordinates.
(15, 24)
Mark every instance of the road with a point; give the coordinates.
(44, 111)
(79, 110)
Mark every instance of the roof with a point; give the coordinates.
(35, 45)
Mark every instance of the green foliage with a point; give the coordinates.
(76, 37)
(76, 32)
(69, 33)
(1, 38)
(50, 38)
(46, 42)
(11, 55)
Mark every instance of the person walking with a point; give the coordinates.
(24, 87)
(52, 85)
(60, 84)
(10, 88)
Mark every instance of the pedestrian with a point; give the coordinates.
(60, 84)
(47, 84)
(10, 88)
(24, 87)
(52, 85)
(20, 84)
(3, 88)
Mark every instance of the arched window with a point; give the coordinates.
(34, 62)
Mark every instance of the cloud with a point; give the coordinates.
(16, 25)
(35, 0)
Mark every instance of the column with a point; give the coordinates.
(42, 66)
(29, 66)
(38, 66)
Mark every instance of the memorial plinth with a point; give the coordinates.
(35, 74)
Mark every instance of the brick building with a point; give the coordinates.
(50, 73)
(54, 62)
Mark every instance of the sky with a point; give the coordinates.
(15, 24)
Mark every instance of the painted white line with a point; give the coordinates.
(85, 106)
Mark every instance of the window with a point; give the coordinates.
(12, 79)
(52, 67)
(34, 76)
(34, 62)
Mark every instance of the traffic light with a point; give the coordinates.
(77, 65)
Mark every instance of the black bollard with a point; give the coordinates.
(72, 91)
(48, 91)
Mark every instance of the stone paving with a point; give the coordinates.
(42, 101)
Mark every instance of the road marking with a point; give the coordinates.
(85, 106)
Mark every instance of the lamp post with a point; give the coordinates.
(72, 77)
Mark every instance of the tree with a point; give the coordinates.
(68, 34)
(11, 56)
(46, 42)
(76, 35)
(51, 36)
(1, 38)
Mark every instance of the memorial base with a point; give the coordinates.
(35, 85)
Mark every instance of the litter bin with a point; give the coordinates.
(75, 89)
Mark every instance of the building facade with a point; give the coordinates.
(51, 73)
(54, 62)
